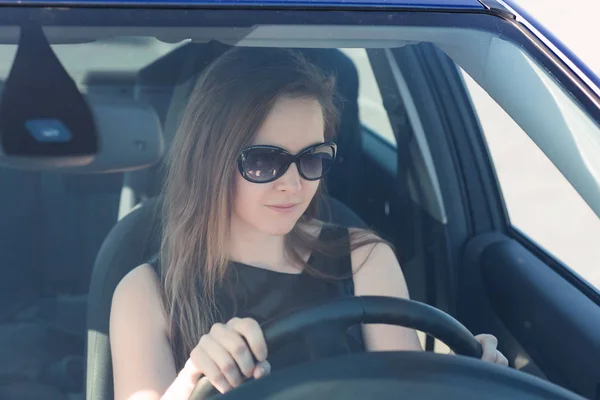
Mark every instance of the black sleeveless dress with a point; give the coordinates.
(264, 295)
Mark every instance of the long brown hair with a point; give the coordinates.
(231, 100)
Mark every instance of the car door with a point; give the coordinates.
(525, 139)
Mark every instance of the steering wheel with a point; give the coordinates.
(419, 375)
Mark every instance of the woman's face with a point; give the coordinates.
(274, 208)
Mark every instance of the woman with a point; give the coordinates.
(241, 240)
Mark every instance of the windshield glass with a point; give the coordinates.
(242, 164)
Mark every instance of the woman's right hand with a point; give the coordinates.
(231, 353)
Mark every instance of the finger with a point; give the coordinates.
(223, 359)
(204, 363)
(253, 334)
(262, 369)
(488, 345)
(236, 346)
(501, 359)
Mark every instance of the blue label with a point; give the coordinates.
(48, 131)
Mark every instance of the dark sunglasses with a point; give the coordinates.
(263, 164)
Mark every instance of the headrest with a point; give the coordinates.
(129, 138)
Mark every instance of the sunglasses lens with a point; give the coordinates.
(264, 164)
(316, 164)
(261, 165)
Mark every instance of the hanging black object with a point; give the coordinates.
(43, 116)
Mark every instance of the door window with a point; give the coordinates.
(541, 202)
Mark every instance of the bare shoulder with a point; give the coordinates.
(138, 293)
(140, 280)
(376, 268)
(368, 249)
(141, 355)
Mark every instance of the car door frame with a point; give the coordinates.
(505, 283)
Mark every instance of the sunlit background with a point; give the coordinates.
(540, 201)
(575, 22)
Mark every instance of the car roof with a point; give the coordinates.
(505, 8)
(420, 4)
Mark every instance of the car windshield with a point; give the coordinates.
(120, 148)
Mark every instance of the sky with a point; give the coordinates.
(575, 22)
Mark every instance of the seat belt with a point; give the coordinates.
(410, 229)
(403, 132)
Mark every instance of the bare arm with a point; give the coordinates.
(381, 275)
(143, 365)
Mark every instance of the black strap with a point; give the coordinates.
(403, 132)
(342, 267)
(408, 242)
(154, 261)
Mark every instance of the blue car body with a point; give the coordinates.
(428, 4)
(578, 79)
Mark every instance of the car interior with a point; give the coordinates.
(413, 166)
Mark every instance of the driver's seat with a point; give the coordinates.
(132, 242)
(136, 237)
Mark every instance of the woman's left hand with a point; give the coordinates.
(491, 354)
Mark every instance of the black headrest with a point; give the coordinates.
(168, 82)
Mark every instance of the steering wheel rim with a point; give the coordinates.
(343, 312)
